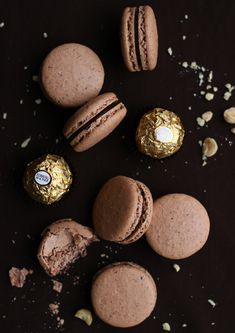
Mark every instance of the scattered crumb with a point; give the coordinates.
(21, 101)
(2, 24)
(35, 78)
(25, 143)
(45, 35)
(200, 121)
(184, 325)
(166, 327)
(200, 142)
(229, 115)
(208, 87)
(189, 107)
(169, 50)
(186, 16)
(213, 324)
(54, 308)
(184, 37)
(209, 96)
(209, 147)
(202, 92)
(38, 101)
(194, 65)
(227, 95)
(25, 68)
(210, 76)
(18, 276)
(207, 116)
(201, 78)
(176, 267)
(185, 64)
(233, 130)
(4, 116)
(215, 89)
(211, 302)
(60, 322)
(57, 286)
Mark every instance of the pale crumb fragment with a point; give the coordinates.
(2, 24)
(202, 92)
(210, 76)
(213, 324)
(201, 78)
(25, 143)
(233, 130)
(215, 89)
(186, 16)
(21, 101)
(211, 302)
(38, 101)
(54, 308)
(25, 68)
(166, 327)
(45, 35)
(209, 96)
(57, 286)
(35, 78)
(229, 87)
(4, 116)
(169, 50)
(227, 95)
(185, 64)
(200, 142)
(189, 107)
(84, 315)
(200, 121)
(176, 267)
(209, 147)
(208, 87)
(207, 116)
(184, 37)
(184, 325)
(229, 115)
(194, 65)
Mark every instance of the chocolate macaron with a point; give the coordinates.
(94, 121)
(180, 226)
(63, 242)
(139, 38)
(123, 294)
(71, 74)
(122, 211)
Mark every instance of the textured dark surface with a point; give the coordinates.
(182, 297)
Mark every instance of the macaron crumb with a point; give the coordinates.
(4, 116)
(209, 96)
(57, 286)
(211, 302)
(184, 325)
(45, 35)
(25, 143)
(2, 24)
(169, 50)
(200, 121)
(21, 101)
(213, 323)
(176, 267)
(38, 101)
(166, 327)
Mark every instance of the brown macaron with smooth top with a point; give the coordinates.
(123, 294)
(122, 211)
(94, 121)
(139, 38)
(180, 226)
(71, 74)
(63, 242)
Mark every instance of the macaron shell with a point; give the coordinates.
(71, 74)
(100, 129)
(87, 112)
(115, 209)
(128, 39)
(180, 226)
(148, 38)
(123, 294)
(146, 218)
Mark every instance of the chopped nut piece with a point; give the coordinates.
(211, 302)
(229, 115)
(84, 315)
(176, 267)
(18, 276)
(233, 130)
(209, 147)
(200, 121)
(166, 327)
(57, 285)
(207, 116)
(209, 96)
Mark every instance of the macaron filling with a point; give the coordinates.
(86, 125)
(141, 214)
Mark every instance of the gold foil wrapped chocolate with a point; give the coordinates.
(160, 133)
(47, 178)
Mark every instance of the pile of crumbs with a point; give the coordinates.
(54, 310)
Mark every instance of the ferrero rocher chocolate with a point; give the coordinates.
(160, 133)
(47, 178)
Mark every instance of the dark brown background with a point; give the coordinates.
(208, 274)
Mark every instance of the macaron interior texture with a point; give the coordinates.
(63, 242)
(123, 294)
(71, 74)
(122, 211)
(180, 226)
(139, 38)
(94, 121)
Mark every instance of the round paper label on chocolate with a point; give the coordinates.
(42, 178)
(163, 134)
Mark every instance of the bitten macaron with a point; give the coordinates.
(71, 74)
(180, 226)
(123, 294)
(122, 211)
(94, 121)
(139, 38)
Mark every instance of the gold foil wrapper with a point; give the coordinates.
(160, 133)
(47, 178)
